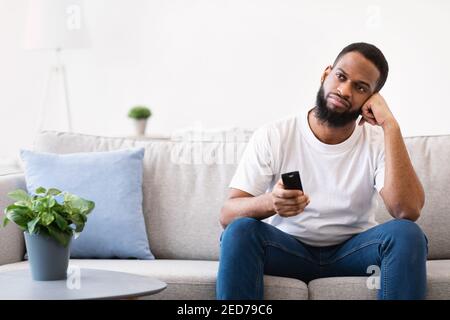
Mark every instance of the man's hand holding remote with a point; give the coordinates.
(288, 203)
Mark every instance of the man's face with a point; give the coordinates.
(345, 88)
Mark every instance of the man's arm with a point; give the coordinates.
(243, 204)
(402, 192)
(286, 203)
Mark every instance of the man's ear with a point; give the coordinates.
(325, 73)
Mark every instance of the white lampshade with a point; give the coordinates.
(56, 24)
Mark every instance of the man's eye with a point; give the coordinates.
(340, 76)
(362, 89)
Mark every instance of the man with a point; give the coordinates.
(327, 231)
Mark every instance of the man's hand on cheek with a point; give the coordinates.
(376, 111)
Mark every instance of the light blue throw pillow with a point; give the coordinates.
(113, 180)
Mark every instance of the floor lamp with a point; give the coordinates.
(56, 25)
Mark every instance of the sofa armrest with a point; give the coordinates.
(12, 245)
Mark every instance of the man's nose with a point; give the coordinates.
(345, 90)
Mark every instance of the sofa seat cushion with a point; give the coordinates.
(186, 279)
(355, 288)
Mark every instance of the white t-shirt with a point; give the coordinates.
(341, 180)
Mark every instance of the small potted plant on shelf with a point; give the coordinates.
(49, 219)
(140, 115)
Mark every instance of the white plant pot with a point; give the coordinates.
(140, 126)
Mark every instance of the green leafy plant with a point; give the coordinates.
(51, 212)
(139, 112)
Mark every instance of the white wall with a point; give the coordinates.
(222, 63)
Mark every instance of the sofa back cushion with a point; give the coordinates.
(185, 184)
(184, 187)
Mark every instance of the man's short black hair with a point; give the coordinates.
(371, 53)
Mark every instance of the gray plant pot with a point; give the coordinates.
(48, 258)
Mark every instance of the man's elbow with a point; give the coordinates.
(223, 218)
(409, 213)
(413, 212)
(408, 209)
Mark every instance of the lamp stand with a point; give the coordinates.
(57, 71)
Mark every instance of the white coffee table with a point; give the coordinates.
(81, 284)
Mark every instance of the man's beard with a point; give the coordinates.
(331, 117)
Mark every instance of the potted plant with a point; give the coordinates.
(49, 219)
(140, 114)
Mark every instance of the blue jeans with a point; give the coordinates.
(251, 248)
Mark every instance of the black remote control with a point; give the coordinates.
(292, 181)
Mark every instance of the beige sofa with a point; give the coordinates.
(185, 184)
